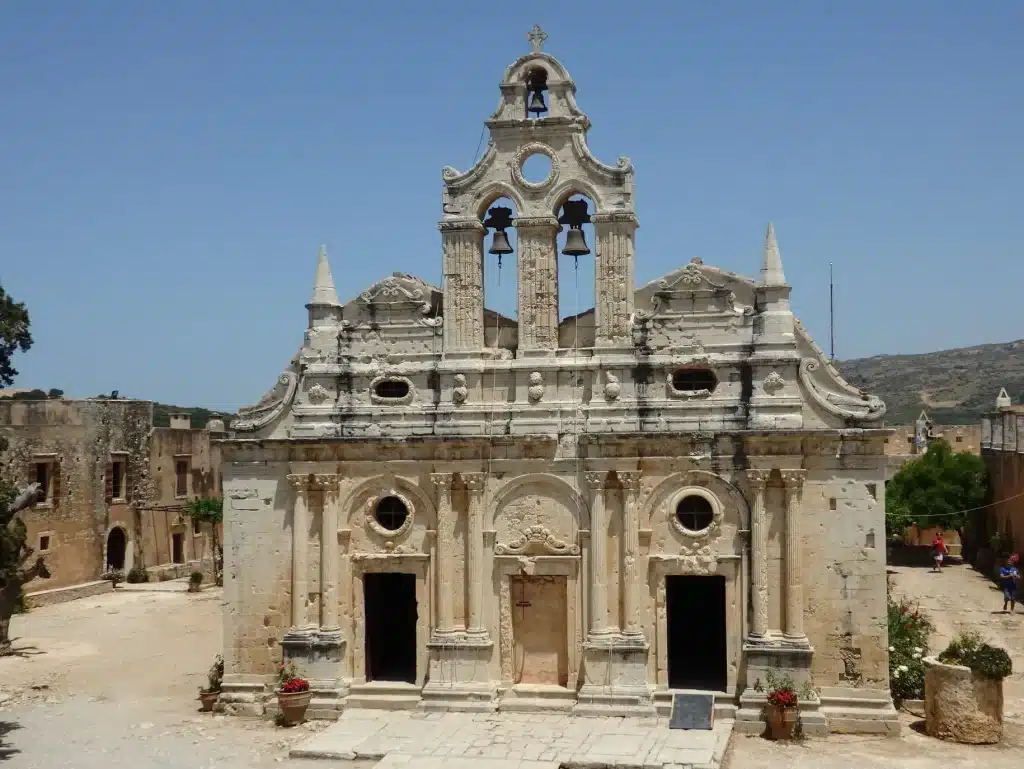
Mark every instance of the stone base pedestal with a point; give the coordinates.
(242, 695)
(750, 715)
(458, 675)
(317, 655)
(615, 677)
(782, 657)
(960, 706)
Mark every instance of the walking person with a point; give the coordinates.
(1008, 576)
(938, 551)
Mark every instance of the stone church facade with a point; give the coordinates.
(441, 507)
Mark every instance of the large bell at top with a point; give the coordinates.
(574, 213)
(499, 219)
(537, 105)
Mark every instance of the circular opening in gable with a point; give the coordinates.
(391, 513)
(689, 380)
(391, 388)
(536, 168)
(694, 513)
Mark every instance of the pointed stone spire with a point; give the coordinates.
(1003, 399)
(323, 290)
(771, 265)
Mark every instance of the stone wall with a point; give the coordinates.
(78, 440)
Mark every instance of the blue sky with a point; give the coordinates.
(169, 169)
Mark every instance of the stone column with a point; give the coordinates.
(757, 480)
(300, 551)
(445, 538)
(598, 558)
(630, 552)
(475, 555)
(537, 245)
(463, 241)
(794, 630)
(329, 555)
(614, 275)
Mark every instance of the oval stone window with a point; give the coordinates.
(694, 513)
(690, 380)
(391, 388)
(391, 513)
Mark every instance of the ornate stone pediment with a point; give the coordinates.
(847, 403)
(270, 407)
(536, 540)
(690, 291)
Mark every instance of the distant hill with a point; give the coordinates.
(955, 387)
(200, 416)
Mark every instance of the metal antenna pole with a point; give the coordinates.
(831, 314)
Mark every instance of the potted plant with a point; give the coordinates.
(208, 694)
(781, 711)
(195, 582)
(963, 691)
(293, 695)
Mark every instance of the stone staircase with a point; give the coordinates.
(534, 698)
(383, 695)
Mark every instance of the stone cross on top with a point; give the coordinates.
(536, 36)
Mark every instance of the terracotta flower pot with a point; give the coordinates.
(208, 699)
(293, 706)
(195, 587)
(781, 722)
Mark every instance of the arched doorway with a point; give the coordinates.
(117, 548)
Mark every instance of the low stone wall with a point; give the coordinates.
(70, 593)
(960, 706)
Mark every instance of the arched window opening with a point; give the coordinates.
(392, 388)
(117, 547)
(391, 513)
(694, 512)
(576, 248)
(693, 380)
(536, 85)
(499, 270)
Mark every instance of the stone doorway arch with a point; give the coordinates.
(117, 549)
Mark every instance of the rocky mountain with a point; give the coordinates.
(953, 386)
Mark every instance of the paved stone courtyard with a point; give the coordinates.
(417, 740)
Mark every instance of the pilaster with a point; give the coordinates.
(630, 551)
(794, 629)
(446, 627)
(596, 482)
(614, 274)
(536, 238)
(475, 570)
(462, 243)
(757, 481)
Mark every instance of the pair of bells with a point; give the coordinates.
(575, 244)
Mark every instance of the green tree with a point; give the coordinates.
(935, 490)
(210, 511)
(15, 554)
(14, 335)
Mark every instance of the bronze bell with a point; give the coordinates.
(537, 105)
(575, 244)
(500, 244)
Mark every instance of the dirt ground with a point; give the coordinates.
(110, 683)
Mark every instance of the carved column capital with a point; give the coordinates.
(442, 482)
(630, 479)
(757, 479)
(299, 482)
(328, 482)
(462, 225)
(595, 480)
(474, 481)
(536, 222)
(794, 479)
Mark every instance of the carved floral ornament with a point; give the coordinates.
(317, 394)
(612, 386)
(536, 389)
(773, 383)
(370, 515)
(460, 389)
(536, 540)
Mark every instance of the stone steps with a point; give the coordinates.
(384, 695)
(725, 703)
(531, 698)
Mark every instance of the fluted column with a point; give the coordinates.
(329, 555)
(475, 552)
(300, 551)
(757, 480)
(794, 480)
(537, 244)
(630, 552)
(598, 557)
(614, 275)
(445, 563)
(462, 241)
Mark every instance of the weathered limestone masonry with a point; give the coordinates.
(440, 507)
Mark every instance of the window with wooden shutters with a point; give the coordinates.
(55, 483)
(181, 473)
(42, 473)
(108, 483)
(118, 466)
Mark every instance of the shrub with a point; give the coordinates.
(196, 578)
(968, 649)
(215, 676)
(909, 630)
(137, 575)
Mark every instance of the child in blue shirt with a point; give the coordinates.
(1008, 576)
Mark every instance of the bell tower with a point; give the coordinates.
(537, 116)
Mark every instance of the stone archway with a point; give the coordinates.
(116, 549)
